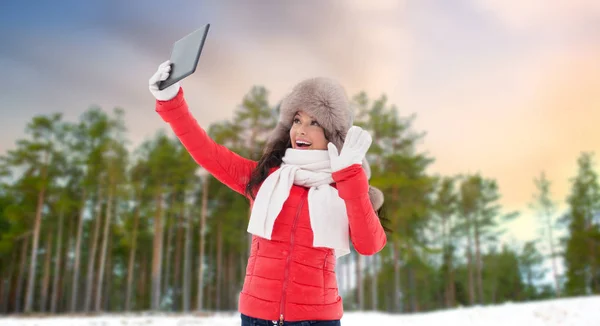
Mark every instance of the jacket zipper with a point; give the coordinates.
(287, 262)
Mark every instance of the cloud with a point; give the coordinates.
(277, 45)
(108, 59)
(514, 119)
(540, 13)
(484, 105)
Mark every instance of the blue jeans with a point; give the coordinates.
(250, 321)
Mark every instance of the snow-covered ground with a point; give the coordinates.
(572, 311)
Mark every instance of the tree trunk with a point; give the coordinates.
(349, 259)
(211, 288)
(157, 253)
(3, 286)
(594, 286)
(92, 254)
(9, 283)
(478, 264)
(374, 295)
(131, 263)
(19, 292)
(243, 262)
(55, 288)
(36, 236)
(493, 283)
(397, 285)
(232, 282)
(4, 293)
(593, 268)
(142, 284)
(167, 255)
(46, 277)
(75, 284)
(66, 278)
(452, 286)
(109, 276)
(178, 251)
(219, 265)
(418, 289)
(530, 278)
(202, 243)
(187, 261)
(446, 259)
(470, 265)
(450, 296)
(225, 279)
(412, 283)
(553, 255)
(389, 301)
(360, 291)
(109, 211)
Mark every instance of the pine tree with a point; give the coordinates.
(43, 159)
(530, 262)
(546, 209)
(581, 243)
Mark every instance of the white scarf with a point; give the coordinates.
(328, 217)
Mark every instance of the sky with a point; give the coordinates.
(504, 88)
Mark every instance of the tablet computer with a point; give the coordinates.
(185, 55)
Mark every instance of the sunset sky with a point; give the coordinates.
(505, 88)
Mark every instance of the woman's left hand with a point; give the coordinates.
(355, 148)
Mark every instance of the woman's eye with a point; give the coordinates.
(314, 123)
(296, 120)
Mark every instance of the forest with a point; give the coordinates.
(89, 225)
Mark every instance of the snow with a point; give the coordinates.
(582, 311)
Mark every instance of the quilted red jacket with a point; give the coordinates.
(286, 277)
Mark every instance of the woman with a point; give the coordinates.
(309, 195)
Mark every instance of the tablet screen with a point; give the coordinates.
(185, 55)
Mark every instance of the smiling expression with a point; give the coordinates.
(306, 133)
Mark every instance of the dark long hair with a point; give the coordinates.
(271, 158)
(385, 222)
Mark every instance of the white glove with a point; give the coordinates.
(355, 148)
(161, 74)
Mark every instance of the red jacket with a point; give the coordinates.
(286, 277)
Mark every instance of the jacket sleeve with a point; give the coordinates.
(225, 165)
(366, 232)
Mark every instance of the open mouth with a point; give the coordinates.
(302, 144)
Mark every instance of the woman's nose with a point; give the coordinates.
(301, 130)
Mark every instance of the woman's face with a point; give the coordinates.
(306, 133)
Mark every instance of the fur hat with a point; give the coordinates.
(325, 100)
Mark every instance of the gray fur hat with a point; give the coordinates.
(326, 100)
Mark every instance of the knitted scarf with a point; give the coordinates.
(328, 217)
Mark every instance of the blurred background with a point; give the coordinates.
(485, 123)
